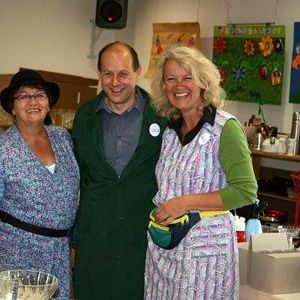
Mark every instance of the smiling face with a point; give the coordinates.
(33, 110)
(118, 78)
(180, 87)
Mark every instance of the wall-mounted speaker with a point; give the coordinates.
(111, 14)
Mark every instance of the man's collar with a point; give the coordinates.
(138, 103)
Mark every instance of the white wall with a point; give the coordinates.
(55, 35)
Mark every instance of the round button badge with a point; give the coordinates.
(154, 129)
(204, 138)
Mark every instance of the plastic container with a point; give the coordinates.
(241, 236)
(281, 148)
(239, 223)
(291, 146)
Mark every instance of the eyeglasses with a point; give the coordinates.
(23, 98)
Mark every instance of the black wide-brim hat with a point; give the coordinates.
(28, 78)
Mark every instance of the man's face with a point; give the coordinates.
(118, 79)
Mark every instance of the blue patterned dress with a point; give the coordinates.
(36, 196)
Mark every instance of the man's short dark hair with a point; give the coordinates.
(134, 56)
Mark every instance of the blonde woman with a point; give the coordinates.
(204, 167)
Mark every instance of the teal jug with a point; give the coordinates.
(253, 225)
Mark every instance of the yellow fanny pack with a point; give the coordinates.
(168, 237)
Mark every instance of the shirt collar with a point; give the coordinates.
(209, 114)
(138, 104)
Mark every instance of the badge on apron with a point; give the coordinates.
(154, 129)
(204, 138)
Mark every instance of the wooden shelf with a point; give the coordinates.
(265, 173)
(275, 155)
(274, 196)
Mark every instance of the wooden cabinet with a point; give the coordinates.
(74, 91)
(285, 202)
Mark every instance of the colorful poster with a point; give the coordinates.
(295, 68)
(251, 60)
(169, 34)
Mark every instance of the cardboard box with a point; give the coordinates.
(271, 266)
(243, 262)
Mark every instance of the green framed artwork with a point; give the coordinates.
(250, 59)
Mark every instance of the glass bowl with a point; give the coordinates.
(27, 285)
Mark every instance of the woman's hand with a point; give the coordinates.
(170, 210)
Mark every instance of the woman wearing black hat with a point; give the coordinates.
(39, 177)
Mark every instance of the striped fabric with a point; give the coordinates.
(2, 185)
(205, 264)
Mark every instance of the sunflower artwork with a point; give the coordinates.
(250, 59)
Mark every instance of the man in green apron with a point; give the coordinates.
(117, 140)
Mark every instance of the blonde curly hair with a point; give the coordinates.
(204, 73)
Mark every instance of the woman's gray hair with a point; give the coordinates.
(205, 74)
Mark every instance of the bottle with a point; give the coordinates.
(253, 225)
(295, 131)
(239, 223)
(258, 142)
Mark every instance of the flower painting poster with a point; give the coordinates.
(250, 59)
(166, 35)
(295, 68)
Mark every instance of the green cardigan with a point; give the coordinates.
(113, 213)
(235, 158)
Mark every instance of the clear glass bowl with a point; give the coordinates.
(27, 285)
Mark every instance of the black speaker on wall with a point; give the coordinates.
(111, 14)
